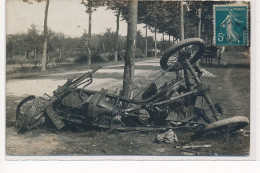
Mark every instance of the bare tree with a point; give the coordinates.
(181, 21)
(146, 41)
(119, 7)
(117, 36)
(199, 24)
(91, 6)
(45, 33)
(179, 73)
(155, 43)
(131, 48)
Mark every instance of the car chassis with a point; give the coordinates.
(73, 106)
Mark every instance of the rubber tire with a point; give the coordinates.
(238, 122)
(169, 52)
(20, 123)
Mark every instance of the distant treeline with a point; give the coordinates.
(158, 16)
(27, 47)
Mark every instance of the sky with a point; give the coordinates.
(67, 16)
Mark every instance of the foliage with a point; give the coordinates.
(191, 17)
(62, 48)
(91, 5)
(21, 43)
(162, 15)
(120, 5)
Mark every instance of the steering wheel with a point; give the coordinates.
(192, 49)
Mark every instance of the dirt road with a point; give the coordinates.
(109, 76)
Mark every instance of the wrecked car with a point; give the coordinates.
(71, 105)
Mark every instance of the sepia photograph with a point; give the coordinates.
(128, 78)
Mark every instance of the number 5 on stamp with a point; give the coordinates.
(230, 25)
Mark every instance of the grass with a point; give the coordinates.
(16, 71)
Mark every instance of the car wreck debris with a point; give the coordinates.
(73, 106)
(167, 137)
(193, 146)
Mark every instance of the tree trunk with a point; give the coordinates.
(38, 55)
(203, 30)
(27, 54)
(117, 36)
(103, 46)
(89, 35)
(181, 21)
(179, 74)
(44, 53)
(155, 44)
(39, 58)
(131, 48)
(199, 29)
(89, 55)
(163, 43)
(146, 47)
(60, 53)
(35, 55)
(163, 37)
(199, 25)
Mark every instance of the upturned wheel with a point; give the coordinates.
(228, 124)
(24, 111)
(192, 49)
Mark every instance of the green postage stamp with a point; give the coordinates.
(230, 25)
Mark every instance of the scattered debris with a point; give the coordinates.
(193, 146)
(189, 153)
(167, 137)
(162, 150)
(245, 133)
(206, 73)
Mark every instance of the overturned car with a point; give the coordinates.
(73, 106)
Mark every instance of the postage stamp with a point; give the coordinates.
(231, 25)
